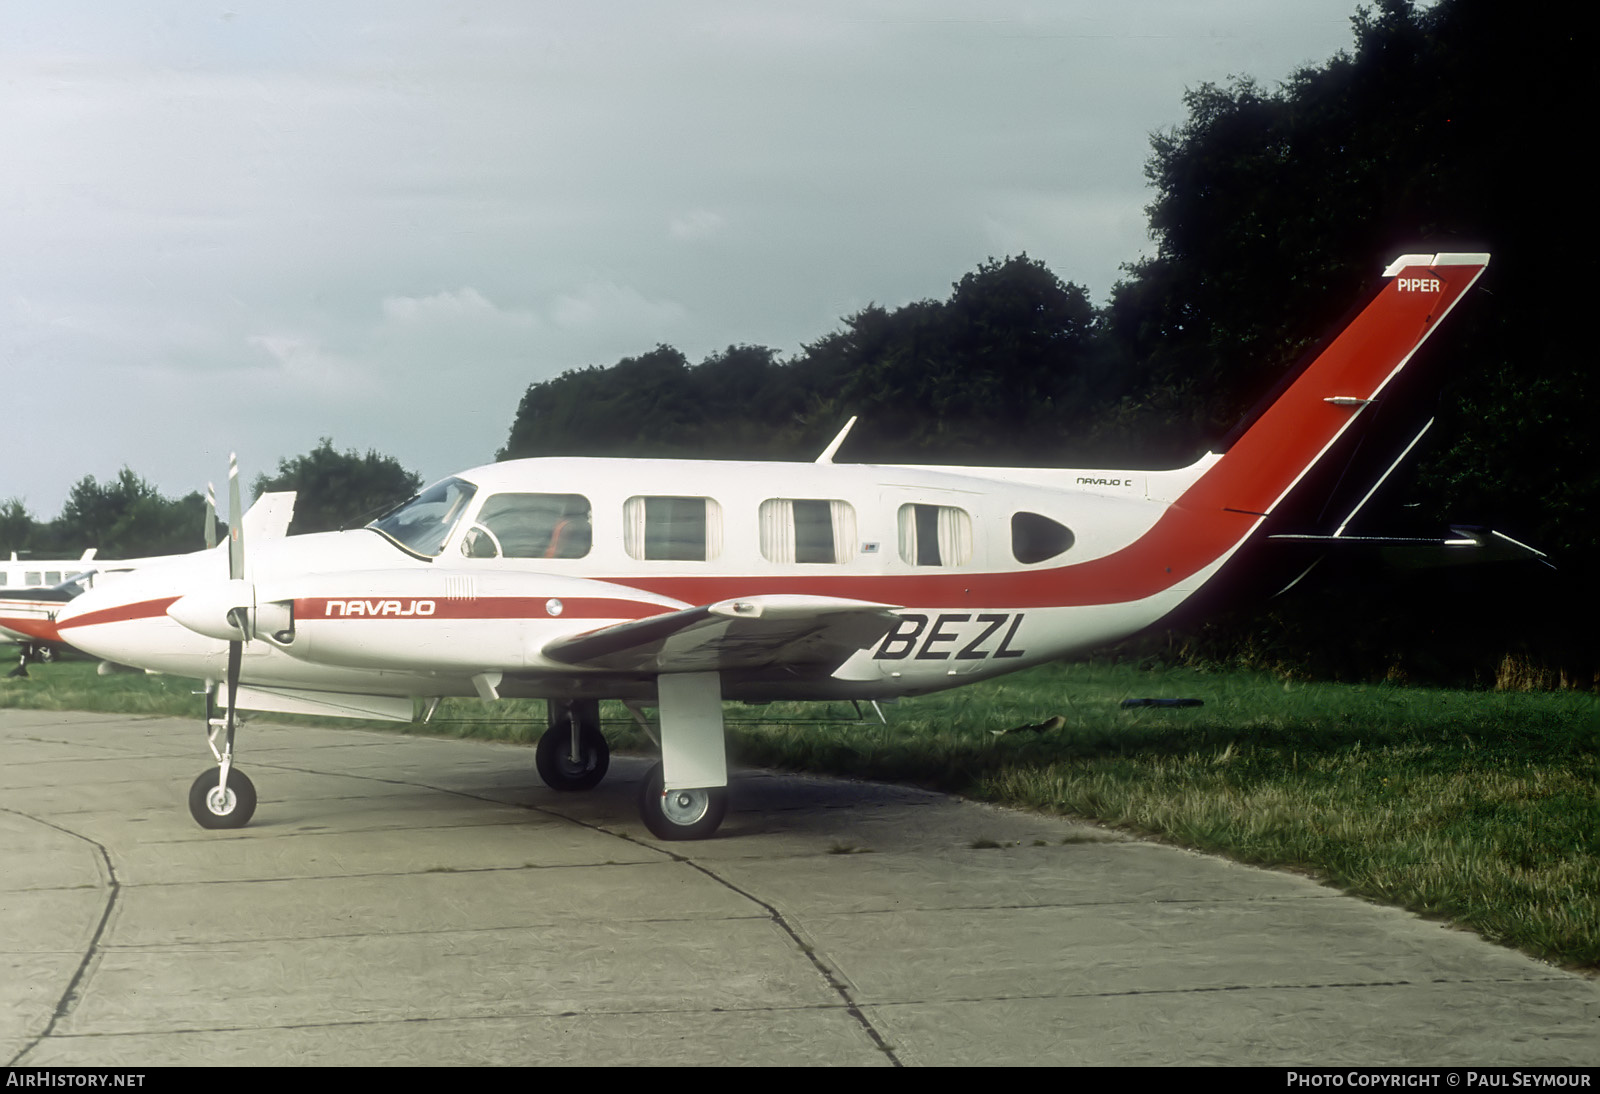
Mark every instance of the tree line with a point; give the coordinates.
(127, 517)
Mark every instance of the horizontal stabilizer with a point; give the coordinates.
(1467, 544)
(815, 632)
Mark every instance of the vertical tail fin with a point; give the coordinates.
(1263, 465)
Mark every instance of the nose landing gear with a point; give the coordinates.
(215, 804)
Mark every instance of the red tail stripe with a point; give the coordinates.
(1273, 454)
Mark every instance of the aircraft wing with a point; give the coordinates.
(816, 632)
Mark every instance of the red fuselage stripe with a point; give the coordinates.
(317, 609)
(122, 613)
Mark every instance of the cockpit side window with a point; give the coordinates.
(423, 524)
(530, 526)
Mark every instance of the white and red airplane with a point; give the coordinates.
(679, 584)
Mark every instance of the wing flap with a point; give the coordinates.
(328, 704)
(814, 632)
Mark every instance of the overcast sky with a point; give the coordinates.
(250, 225)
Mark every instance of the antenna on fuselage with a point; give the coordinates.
(833, 446)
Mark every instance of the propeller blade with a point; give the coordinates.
(211, 516)
(235, 522)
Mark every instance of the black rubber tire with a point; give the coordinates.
(681, 814)
(234, 812)
(553, 758)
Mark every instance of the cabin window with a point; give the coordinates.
(672, 529)
(807, 530)
(935, 535)
(35, 577)
(1035, 538)
(52, 577)
(530, 526)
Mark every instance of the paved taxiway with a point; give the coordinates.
(404, 900)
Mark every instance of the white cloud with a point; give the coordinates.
(696, 224)
(619, 307)
(307, 366)
(463, 305)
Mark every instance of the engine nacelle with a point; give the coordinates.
(220, 611)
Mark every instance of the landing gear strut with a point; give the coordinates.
(223, 797)
(573, 754)
(690, 711)
(32, 651)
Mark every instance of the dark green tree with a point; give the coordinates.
(1275, 208)
(338, 489)
(127, 518)
(987, 376)
(18, 529)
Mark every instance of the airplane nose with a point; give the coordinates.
(98, 610)
(123, 621)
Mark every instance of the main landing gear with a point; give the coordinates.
(680, 814)
(572, 753)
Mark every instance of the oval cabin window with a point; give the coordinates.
(1035, 538)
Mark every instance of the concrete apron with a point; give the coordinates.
(404, 900)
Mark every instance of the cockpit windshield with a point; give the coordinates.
(423, 524)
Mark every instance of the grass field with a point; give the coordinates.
(1482, 808)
